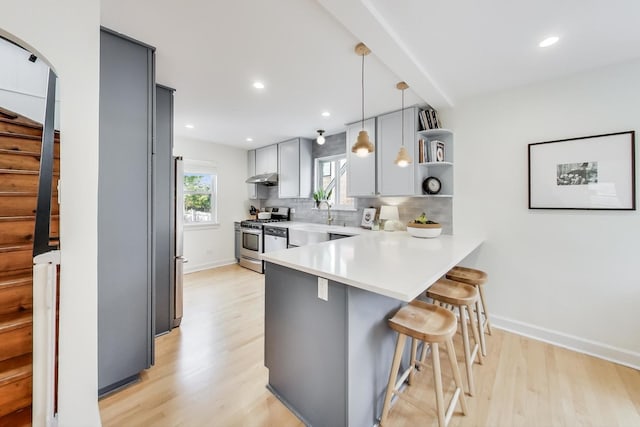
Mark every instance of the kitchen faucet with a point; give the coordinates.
(329, 218)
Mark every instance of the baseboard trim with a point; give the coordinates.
(571, 342)
(192, 268)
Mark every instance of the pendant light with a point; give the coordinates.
(362, 146)
(403, 159)
(320, 139)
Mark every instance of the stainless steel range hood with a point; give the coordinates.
(266, 179)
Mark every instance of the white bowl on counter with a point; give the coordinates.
(424, 231)
(264, 215)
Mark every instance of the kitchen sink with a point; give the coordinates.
(307, 235)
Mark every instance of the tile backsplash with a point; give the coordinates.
(438, 209)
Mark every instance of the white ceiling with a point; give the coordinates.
(211, 51)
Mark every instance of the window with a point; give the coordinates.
(200, 193)
(331, 175)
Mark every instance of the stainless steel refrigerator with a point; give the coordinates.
(180, 260)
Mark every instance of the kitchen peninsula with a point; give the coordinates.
(329, 350)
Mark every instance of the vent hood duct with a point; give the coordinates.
(266, 179)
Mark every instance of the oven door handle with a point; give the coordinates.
(251, 231)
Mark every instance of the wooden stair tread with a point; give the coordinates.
(21, 193)
(19, 135)
(16, 279)
(19, 153)
(19, 319)
(16, 368)
(19, 172)
(19, 418)
(23, 218)
(13, 117)
(15, 247)
(56, 138)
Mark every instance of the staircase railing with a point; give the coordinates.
(43, 210)
(46, 259)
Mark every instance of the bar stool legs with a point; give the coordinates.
(485, 311)
(469, 354)
(417, 321)
(476, 278)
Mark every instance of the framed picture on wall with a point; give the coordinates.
(368, 216)
(590, 172)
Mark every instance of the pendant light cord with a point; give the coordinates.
(402, 124)
(362, 81)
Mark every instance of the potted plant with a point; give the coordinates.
(321, 196)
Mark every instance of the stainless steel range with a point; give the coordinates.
(252, 238)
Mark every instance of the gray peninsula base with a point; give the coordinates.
(329, 360)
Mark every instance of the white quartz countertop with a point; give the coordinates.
(393, 264)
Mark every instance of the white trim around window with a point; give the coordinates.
(201, 193)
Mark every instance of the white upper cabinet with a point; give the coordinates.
(267, 159)
(361, 171)
(295, 168)
(392, 179)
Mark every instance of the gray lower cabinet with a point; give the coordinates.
(392, 179)
(125, 221)
(328, 361)
(295, 168)
(361, 171)
(164, 207)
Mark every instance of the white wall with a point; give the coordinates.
(23, 84)
(569, 277)
(214, 246)
(66, 34)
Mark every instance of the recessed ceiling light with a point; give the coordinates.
(549, 41)
(189, 126)
(326, 114)
(249, 139)
(258, 85)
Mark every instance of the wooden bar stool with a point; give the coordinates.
(433, 325)
(475, 278)
(462, 296)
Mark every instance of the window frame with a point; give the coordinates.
(338, 190)
(204, 168)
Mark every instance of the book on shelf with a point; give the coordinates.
(421, 151)
(429, 119)
(423, 122)
(439, 151)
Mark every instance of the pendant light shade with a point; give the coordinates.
(320, 139)
(403, 159)
(363, 146)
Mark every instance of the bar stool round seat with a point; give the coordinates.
(476, 278)
(425, 322)
(452, 292)
(467, 275)
(433, 325)
(461, 296)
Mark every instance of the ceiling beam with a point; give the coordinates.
(361, 18)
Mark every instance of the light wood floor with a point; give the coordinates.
(210, 372)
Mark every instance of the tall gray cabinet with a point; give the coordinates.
(125, 206)
(164, 235)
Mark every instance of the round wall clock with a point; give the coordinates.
(431, 185)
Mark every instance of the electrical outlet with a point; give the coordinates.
(323, 288)
(292, 210)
